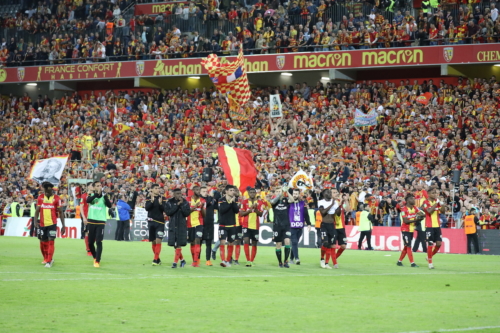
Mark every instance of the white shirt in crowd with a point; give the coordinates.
(325, 204)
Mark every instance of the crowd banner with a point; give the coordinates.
(365, 119)
(383, 238)
(301, 180)
(139, 229)
(20, 227)
(49, 170)
(275, 106)
(260, 63)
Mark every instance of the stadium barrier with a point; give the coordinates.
(383, 238)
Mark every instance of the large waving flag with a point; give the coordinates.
(119, 129)
(238, 167)
(230, 79)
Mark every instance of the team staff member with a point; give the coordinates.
(432, 207)
(281, 224)
(228, 208)
(177, 209)
(123, 218)
(96, 221)
(251, 211)
(209, 220)
(299, 218)
(420, 239)
(471, 222)
(328, 208)
(48, 208)
(84, 211)
(197, 206)
(156, 222)
(410, 216)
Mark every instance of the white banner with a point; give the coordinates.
(275, 110)
(20, 227)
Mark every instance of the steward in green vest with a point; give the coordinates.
(97, 217)
(365, 228)
(32, 215)
(14, 209)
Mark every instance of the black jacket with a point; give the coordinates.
(155, 210)
(177, 225)
(212, 205)
(227, 212)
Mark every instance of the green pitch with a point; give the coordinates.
(369, 293)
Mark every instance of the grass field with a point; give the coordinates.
(369, 293)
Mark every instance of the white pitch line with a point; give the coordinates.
(457, 329)
(219, 276)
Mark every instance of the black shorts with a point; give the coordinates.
(281, 231)
(239, 233)
(407, 238)
(340, 236)
(227, 233)
(45, 232)
(156, 230)
(195, 233)
(328, 233)
(433, 235)
(96, 231)
(252, 234)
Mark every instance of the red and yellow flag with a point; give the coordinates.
(238, 166)
(119, 129)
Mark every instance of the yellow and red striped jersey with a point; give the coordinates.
(195, 218)
(48, 209)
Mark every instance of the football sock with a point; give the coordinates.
(328, 254)
(237, 251)
(254, 253)
(436, 249)
(50, 251)
(323, 251)
(278, 255)
(410, 254)
(339, 252)
(334, 256)
(87, 243)
(192, 252)
(153, 247)
(403, 254)
(157, 251)
(42, 249)
(429, 254)
(229, 252)
(246, 248)
(178, 254)
(287, 252)
(222, 252)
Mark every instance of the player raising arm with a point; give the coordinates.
(48, 207)
(281, 224)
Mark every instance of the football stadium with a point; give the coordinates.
(217, 165)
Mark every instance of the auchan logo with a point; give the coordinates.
(401, 57)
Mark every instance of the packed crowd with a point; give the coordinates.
(81, 31)
(175, 135)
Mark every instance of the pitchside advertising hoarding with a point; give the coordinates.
(383, 238)
(397, 57)
(158, 8)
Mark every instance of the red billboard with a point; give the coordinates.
(372, 58)
(157, 8)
